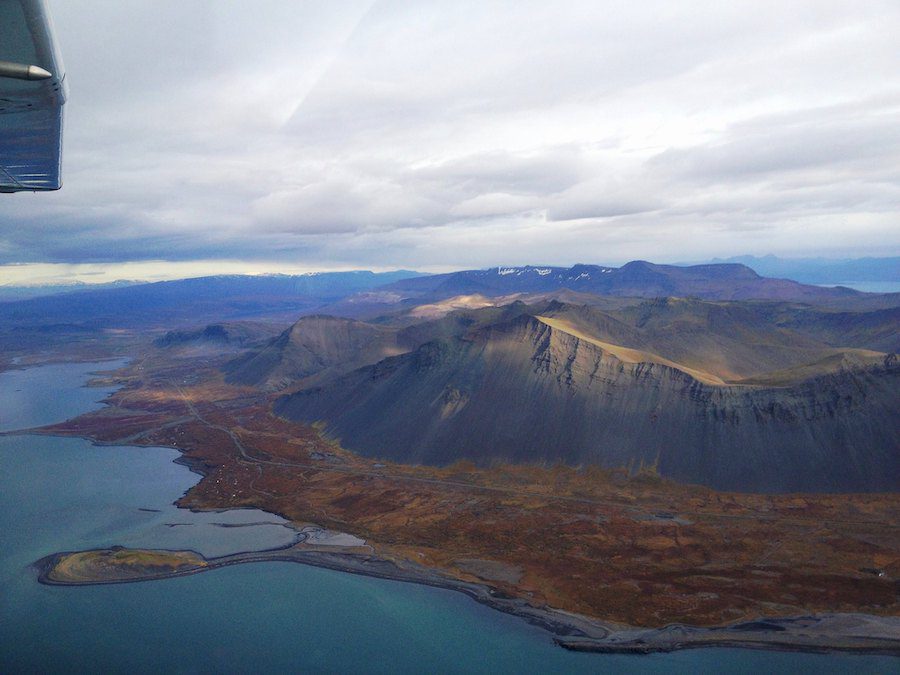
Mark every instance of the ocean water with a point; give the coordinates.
(65, 494)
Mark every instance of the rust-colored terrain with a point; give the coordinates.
(621, 546)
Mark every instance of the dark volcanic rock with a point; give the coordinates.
(524, 391)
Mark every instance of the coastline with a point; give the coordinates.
(818, 634)
(823, 633)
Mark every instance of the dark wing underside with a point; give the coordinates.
(31, 111)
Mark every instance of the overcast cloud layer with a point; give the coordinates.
(466, 134)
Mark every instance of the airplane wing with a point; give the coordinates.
(32, 95)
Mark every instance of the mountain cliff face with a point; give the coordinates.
(533, 389)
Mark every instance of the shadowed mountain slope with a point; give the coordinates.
(319, 347)
(312, 345)
(577, 386)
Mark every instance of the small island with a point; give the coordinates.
(859, 633)
(117, 565)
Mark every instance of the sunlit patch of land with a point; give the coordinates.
(439, 309)
(630, 355)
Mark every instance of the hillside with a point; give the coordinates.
(312, 345)
(319, 347)
(878, 330)
(577, 386)
(732, 339)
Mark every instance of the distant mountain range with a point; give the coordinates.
(10, 293)
(639, 278)
(822, 270)
(193, 301)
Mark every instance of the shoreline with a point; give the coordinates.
(823, 633)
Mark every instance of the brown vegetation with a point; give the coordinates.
(619, 545)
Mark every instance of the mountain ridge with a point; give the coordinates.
(522, 390)
(313, 344)
(227, 297)
(639, 278)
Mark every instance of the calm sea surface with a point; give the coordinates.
(65, 494)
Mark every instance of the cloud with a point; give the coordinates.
(470, 133)
(606, 198)
(494, 204)
(830, 139)
(342, 205)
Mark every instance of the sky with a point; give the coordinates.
(293, 136)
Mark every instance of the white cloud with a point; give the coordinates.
(470, 133)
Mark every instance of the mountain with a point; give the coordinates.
(237, 334)
(12, 293)
(636, 279)
(822, 270)
(192, 302)
(319, 347)
(312, 345)
(393, 306)
(195, 301)
(713, 393)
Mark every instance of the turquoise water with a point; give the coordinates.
(63, 494)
